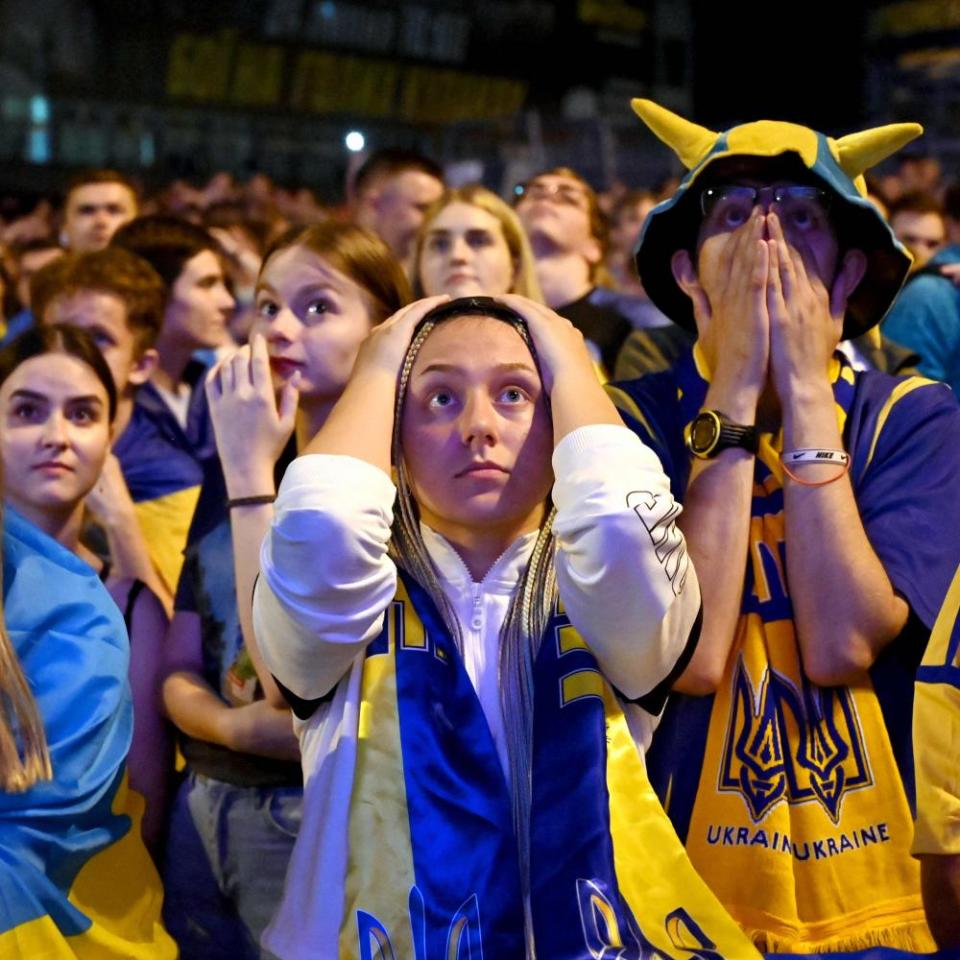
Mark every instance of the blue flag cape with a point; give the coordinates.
(75, 879)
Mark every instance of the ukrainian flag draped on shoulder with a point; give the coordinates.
(163, 473)
(936, 725)
(75, 878)
(795, 801)
(433, 867)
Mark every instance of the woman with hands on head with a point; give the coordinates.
(320, 291)
(469, 667)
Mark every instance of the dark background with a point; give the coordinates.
(492, 88)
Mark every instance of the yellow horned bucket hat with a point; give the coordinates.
(793, 151)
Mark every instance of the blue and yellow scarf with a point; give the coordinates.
(75, 878)
(794, 800)
(433, 863)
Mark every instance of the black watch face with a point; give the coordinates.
(703, 433)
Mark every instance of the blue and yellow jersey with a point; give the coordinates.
(75, 877)
(795, 802)
(936, 733)
(163, 466)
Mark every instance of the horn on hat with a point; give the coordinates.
(689, 141)
(857, 152)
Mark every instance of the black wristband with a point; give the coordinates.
(251, 501)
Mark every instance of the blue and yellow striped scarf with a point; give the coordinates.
(433, 863)
(794, 800)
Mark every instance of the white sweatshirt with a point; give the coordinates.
(623, 576)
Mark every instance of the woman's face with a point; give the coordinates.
(54, 434)
(314, 319)
(476, 434)
(465, 254)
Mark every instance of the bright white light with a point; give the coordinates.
(355, 141)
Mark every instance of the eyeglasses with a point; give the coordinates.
(799, 205)
(566, 193)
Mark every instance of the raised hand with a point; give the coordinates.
(250, 425)
(559, 345)
(728, 291)
(361, 423)
(577, 398)
(806, 309)
(109, 499)
(386, 346)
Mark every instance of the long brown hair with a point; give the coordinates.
(533, 599)
(24, 757)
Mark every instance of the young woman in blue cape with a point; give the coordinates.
(476, 671)
(75, 878)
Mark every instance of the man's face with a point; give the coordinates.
(104, 316)
(200, 304)
(921, 233)
(94, 212)
(557, 209)
(803, 211)
(396, 207)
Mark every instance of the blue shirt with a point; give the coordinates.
(926, 318)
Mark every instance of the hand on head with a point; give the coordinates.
(385, 348)
(559, 345)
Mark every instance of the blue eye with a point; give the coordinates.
(439, 400)
(513, 395)
(267, 309)
(478, 239)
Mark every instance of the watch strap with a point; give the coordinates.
(736, 435)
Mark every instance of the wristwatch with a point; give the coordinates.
(713, 431)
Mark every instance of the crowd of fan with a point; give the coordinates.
(172, 285)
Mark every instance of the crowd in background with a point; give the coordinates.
(206, 299)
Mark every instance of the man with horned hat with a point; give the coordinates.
(821, 511)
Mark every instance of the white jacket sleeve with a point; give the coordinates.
(623, 570)
(325, 577)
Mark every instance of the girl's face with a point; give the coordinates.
(476, 434)
(54, 434)
(314, 319)
(465, 254)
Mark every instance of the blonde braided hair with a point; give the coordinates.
(534, 598)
